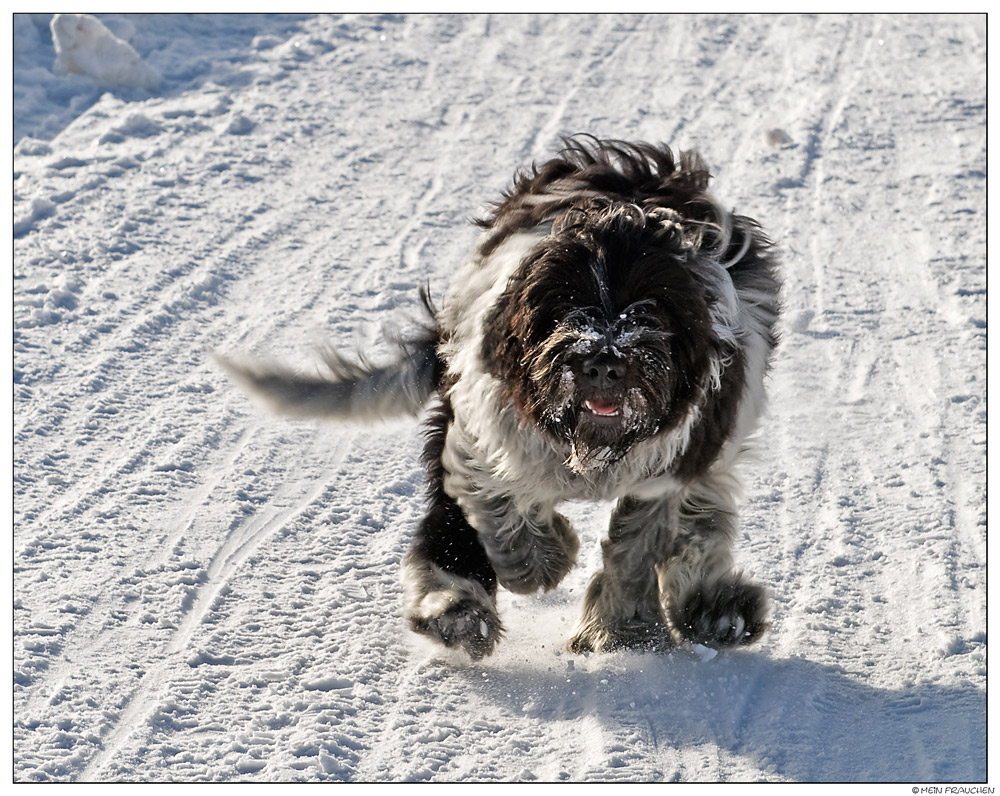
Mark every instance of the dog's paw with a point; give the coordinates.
(467, 622)
(537, 569)
(536, 562)
(725, 614)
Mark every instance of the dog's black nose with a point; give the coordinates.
(603, 370)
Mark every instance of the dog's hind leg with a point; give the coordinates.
(451, 585)
(706, 600)
(622, 607)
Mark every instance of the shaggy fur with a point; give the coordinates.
(608, 339)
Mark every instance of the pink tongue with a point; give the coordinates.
(601, 408)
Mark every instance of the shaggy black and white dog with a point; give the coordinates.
(607, 340)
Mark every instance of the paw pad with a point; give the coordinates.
(465, 623)
(724, 615)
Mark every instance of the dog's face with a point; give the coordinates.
(602, 337)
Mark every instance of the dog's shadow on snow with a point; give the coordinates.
(790, 718)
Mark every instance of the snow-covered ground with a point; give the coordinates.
(206, 592)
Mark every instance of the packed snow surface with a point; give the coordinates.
(203, 591)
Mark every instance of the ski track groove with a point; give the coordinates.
(91, 632)
(235, 549)
(239, 543)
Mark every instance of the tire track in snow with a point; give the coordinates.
(837, 89)
(875, 361)
(600, 54)
(199, 498)
(407, 254)
(237, 547)
(546, 133)
(102, 345)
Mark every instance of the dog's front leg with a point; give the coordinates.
(622, 607)
(450, 583)
(707, 601)
(530, 549)
(451, 586)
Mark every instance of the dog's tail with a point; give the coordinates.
(350, 389)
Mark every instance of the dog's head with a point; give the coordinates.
(604, 335)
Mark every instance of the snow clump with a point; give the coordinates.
(84, 46)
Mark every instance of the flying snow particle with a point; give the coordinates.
(704, 653)
(778, 138)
